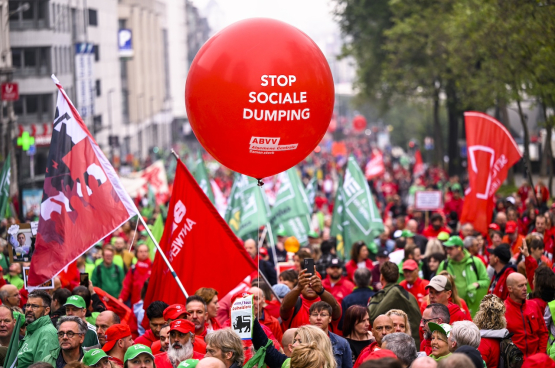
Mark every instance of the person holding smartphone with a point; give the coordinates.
(295, 306)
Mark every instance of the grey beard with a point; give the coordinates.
(176, 356)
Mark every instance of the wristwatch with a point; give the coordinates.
(321, 292)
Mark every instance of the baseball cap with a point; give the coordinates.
(281, 232)
(281, 290)
(182, 325)
(335, 262)
(76, 301)
(93, 356)
(174, 311)
(510, 227)
(113, 334)
(494, 227)
(397, 234)
(511, 199)
(444, 328)
(135, 350)
(455, 186)
(454, 241)
(313, 234)
(382, 253)
(263, 251)
(410, 265)
(443, 236)
(188, 363)
(407, 234)
(440, 283)
(503, 252)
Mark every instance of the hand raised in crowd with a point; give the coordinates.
(304, 280)
(524, 249)
(316, 284)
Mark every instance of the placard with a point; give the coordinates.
(242, 317)
(21, 243)
(48, 285)
(428, 200)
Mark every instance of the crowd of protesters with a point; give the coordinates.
(429, 291)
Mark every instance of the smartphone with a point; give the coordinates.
(309, 265)
(84, 279)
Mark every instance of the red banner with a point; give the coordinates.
(375, 166)
(418, 168)
(491, 152)
(200, 246)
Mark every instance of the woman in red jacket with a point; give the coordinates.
(136, 276)
(491, 321)
(359, 259)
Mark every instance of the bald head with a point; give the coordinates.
(382, 326)
(424, 362)
(412, 225)
(287, 341)
(250, 247)
(210, 363)
(501, 218)
(516, 285)
(9, 295)
(515, 278)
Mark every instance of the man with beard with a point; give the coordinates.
(7, 324)
(71, 334)
(180, 347)
(118, 340)
(41, 336)
(437, 313)
(436, 226)
(198, 314)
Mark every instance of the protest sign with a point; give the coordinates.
(428, 200)
(242, 316)
(48, 285)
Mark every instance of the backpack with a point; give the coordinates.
(510, 355)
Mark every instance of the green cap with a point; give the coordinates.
(188, 363)
(456, 186)
(313, 234)
(407, 234)
(454, 241)
(135, 350)
(444, 328)
(76, 301)
(281, 232)
(93, 356)
(443, 236)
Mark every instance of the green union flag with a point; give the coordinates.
(234, 202)
(4, 187)
(201, 175)
(311, 188)
(297, 227)
(356, 216)
(255, 211)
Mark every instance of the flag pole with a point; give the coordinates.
(272, 244)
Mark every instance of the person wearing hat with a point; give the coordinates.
(412, 283)
(512, 237)
(118, 340)
(440, 291)
(313, 239)
(182, 335)
(499, 259)
(75, 306)
(335, 283)
(436, 226)
(471, 277)
(188, 363)
(138, 356)
(440, 345)
(97, 358)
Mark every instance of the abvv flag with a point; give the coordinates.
(491, 152)
(82, 201)
(198, 243)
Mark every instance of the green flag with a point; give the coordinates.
(255, 211)
(157, 230)
(356, 216)
(234, 202)
(5, 186)
(297, 227)
(11, 355)
(311, 188)
(201, 175)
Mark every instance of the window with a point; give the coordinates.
(97, 123)
(98, 89)
(36, 16)
(34, 108)
(93, 20)
(31, 61)
(96, 50)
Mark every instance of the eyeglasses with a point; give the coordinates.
(69, 334)
(33, 306)
(316, 315)
(427, 320)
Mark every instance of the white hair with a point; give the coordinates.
(465, 333)
(176, 356)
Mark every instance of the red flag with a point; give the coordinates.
(375, 166)
(491, 152)
(200, 246)
(418, 168)
(83, 200)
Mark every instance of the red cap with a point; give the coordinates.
(183, 326)
(410, 265)
(174, 311)
(263, 251)
(113, 334)
(538, 360)
(510, 227)
(379, 354)
(494, 227)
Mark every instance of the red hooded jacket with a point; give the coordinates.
(500, 288)
(526, 322)
(134, 281)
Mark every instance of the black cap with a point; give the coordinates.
(382, 253)
(335, 262)
(501, 251)
(473, 354)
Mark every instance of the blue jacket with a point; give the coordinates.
(359, 296)
(341, 351)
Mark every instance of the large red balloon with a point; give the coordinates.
(259, 96)
(359, 123)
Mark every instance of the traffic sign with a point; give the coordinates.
(32, 150)
(10, 91)
(25, 141)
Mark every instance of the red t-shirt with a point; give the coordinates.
(430, 232)
(340, 289)
(302, 317)
(418, 289)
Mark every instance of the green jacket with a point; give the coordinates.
(109, 279)
(15, 281)
(40, 339)
(439, 358)
(393, 296)
(466, 272)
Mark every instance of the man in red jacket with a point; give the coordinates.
(155, 314)
(524, 318)
(440, 291)
(180, 347)
(336, 284)
(412, 283)
(499, 259)
(436, 226)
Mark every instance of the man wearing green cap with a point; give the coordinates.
(75, 306)
(471, 277)
(96, 358)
